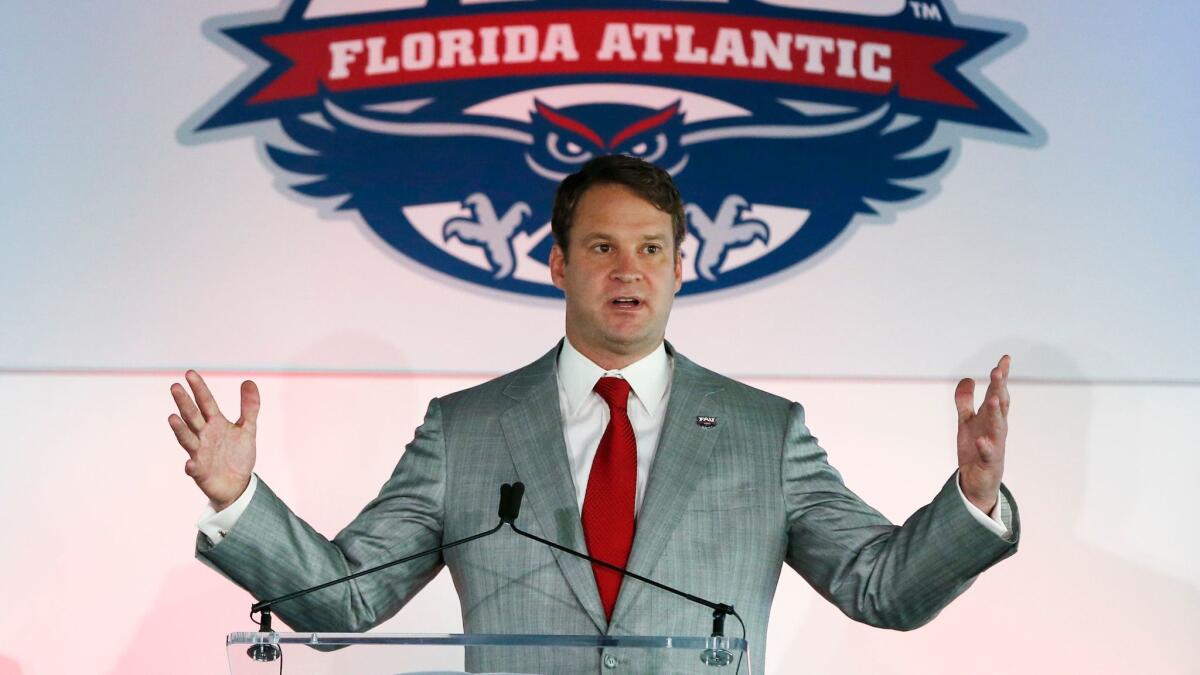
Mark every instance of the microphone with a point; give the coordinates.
(509, 509)
(510, 502)
(715, 655)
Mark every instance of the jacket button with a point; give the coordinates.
(610, 661)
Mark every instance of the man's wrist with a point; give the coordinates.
(985, 505)
(221, 506)
(984, 499)
(992, 518)
(216, 524)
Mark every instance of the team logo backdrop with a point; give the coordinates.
(447, 127)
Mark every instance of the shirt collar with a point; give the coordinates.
(649, 377)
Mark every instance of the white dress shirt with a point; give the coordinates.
(584, 417)
(585, 414)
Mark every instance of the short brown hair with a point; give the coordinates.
(645, 179)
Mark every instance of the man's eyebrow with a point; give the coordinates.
(594, 236)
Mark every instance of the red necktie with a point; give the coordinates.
(612, 485)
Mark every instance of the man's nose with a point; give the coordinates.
(627, 267)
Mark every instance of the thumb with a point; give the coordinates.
(964, 399)
(250, 405)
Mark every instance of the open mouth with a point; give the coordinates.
(626, 302)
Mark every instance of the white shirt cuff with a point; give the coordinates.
(216, 524)
(993, 521)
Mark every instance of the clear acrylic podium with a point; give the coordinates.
(392, 654)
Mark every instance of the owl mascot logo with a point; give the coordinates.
(446, 126)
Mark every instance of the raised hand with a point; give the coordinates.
(981, 436)
(220, 452)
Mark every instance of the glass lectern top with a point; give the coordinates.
(442, 653)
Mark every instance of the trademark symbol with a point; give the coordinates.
(926, 11)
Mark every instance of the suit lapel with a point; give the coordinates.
(679, 463)
(533, 431)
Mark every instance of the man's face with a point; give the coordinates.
(620, 276)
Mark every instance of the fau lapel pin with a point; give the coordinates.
(706, 421)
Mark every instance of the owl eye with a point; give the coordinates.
(652, 151)
(564, 151)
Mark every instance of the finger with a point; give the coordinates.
(204, 397)
(190, 467)
(250, 405)
(1002, 397)
(187, 410)
(964, 399)
(998, 385)
(992, 426)
(995, 381)
(186, 438)
(986, 450)
(1002, 392)
(993, 437)
(995, 414)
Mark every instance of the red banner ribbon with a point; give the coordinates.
(515, 44)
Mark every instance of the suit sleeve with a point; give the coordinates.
(873, 571)
(271, 551)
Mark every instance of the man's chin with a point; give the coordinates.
(627, 344)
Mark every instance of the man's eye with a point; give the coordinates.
(653, 248)
(603, 248)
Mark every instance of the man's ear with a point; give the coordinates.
(678, 269)
(558, 264)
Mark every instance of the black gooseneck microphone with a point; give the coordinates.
(510, 508)
(508, 511)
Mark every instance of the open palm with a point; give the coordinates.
(982, 435)
(220, 452)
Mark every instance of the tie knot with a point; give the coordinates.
(614, 391)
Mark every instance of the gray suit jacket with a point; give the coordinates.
(724, 508)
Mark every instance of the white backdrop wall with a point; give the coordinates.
(127, 256)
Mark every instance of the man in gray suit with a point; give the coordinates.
(628, 450)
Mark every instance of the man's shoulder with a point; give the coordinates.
(748, 411)
(509, 386)
(731, 389)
